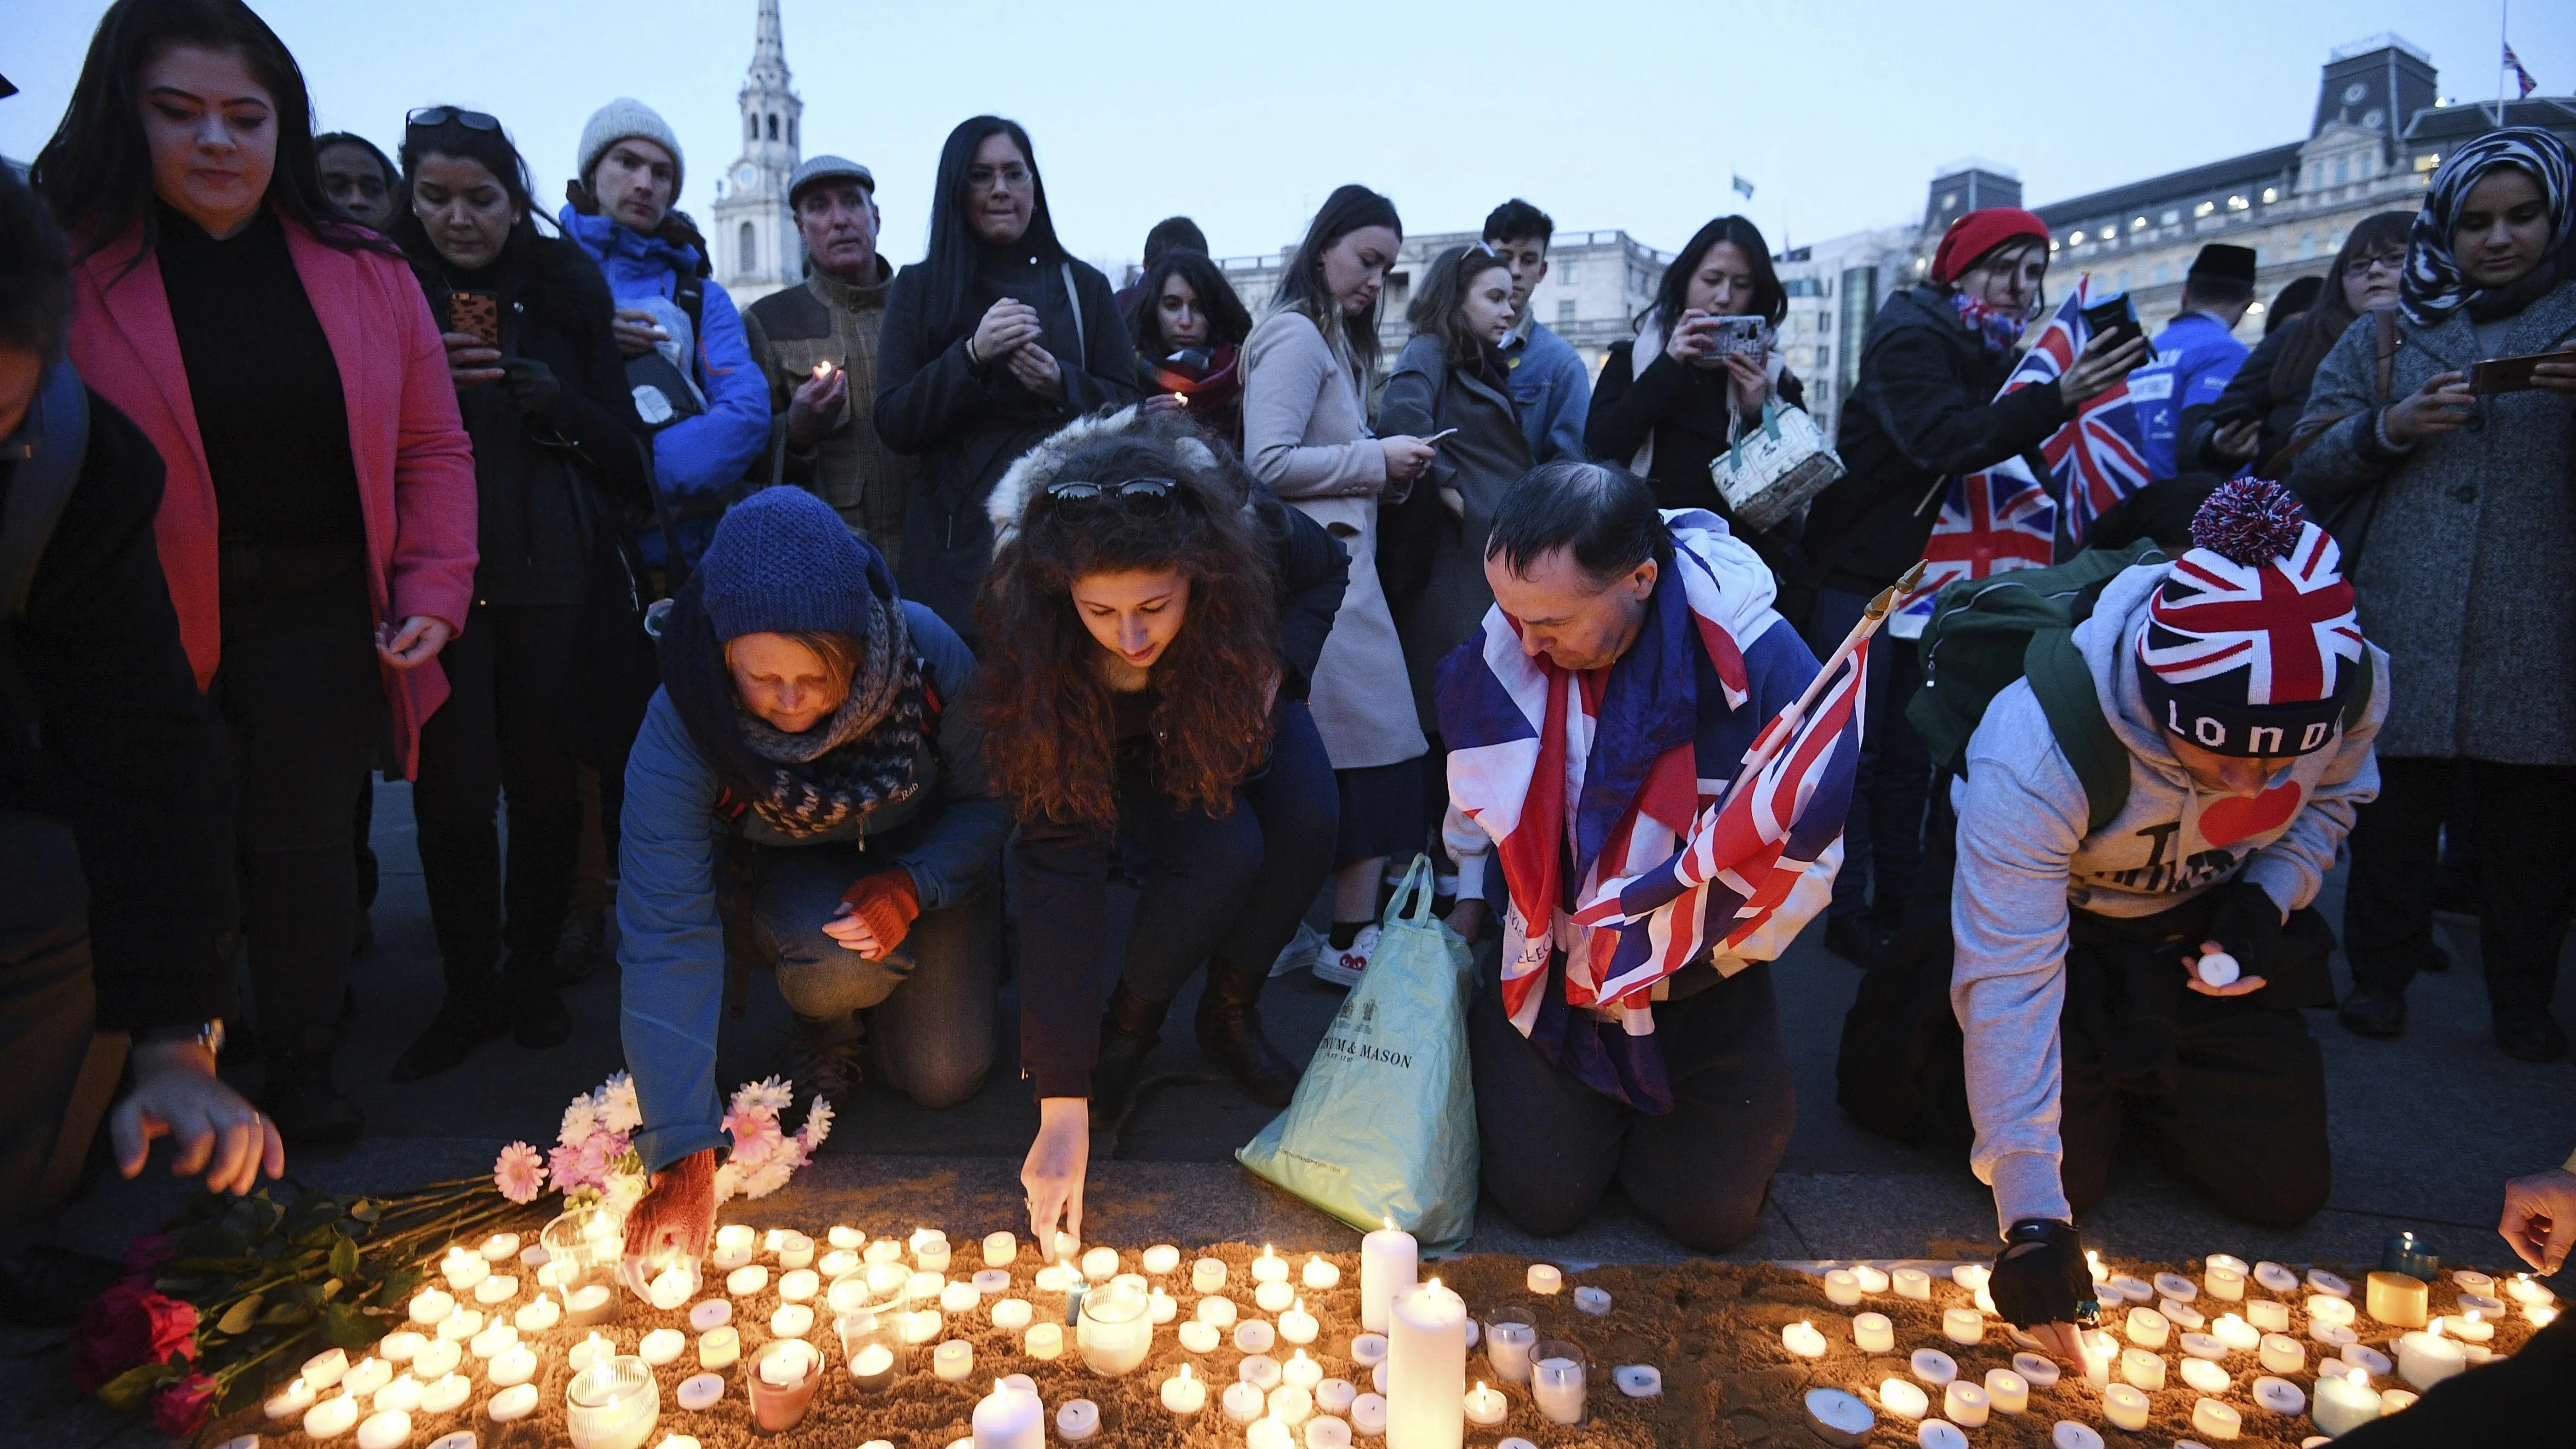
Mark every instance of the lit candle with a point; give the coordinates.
(2216, 1420)
(1319, 1274)
(1543, 1277)
(464, 1272)
(845, 1236)
(2125, 1405)
(1802, 1339)
(590, 1304)
(612, 1404)
(429, 1308)
(1009, 1418)
(1426, 1367)
(960, 1297)
(1390, 1261)
(1044, 1341)
(2006, 1392)
(1077, 1420)
(2142, 1368)
(1967, 1325)
(2225, 1283)
(1183, 1393)
(2281, 1354)
(1162, 1307)
(2270, 1315)
(537, 1315)
(718, 1347)
(1556, 1382)
(1216, 1312)
(1000, 1250)
(400, 1396)
(365, 1377)
(1872, 1333)
(924, 1325)
(930, 1250)
(291, 1401)
(332, 1417)
(2393, 1401)
(792, 1320)
(326, 1368)
(1254, 1336)
(2336, 1311)
(515, 1365)
(782, 1383)
(1913, 1283)
(794, 1250)
(446, 1394)
(882, 1250)
(1259, 1370)
(1872, 1280)
(1011, 1314)
(1207, 1275)
(2100, 1351)
(2206, 1376)
(2239, 1335)
(1291, 1405)
(386, 1429)
(836, 1263)
(1100, 1264)
(1903, 1399)
(1842, 1287)
(1267, 1433)
(1244, 1402)
(1298, 1326)
(2280, 1396)
(461, 1325)
(1486, 1407)
(437, 1358)
(508, 1406)
(492, 1340)
(661, 1346)
(1115, 1332)
(1269, 1267)
(700, 1392)
(1964, 1404)
(1595, 1301)
(2147, 1328)
(2037, 1370)
(2397, 1299)
(2344, 1404)
(953, 1360)
(798, 1285)
(1274, 1297)
(1199, 1337)
(500, 1288)
(2426, 1358)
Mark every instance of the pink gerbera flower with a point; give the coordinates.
(520, 1173)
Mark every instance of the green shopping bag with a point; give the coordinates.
(1383, 1127)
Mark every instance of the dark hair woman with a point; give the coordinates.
(1307, 373)
(1189, 327)
(2432, 486)
(1691, 399)
(286, 366)
(2253, 419)
(1150, 629)
(1452, 378)
(992, 341)
(1924, 410)
(559, 460)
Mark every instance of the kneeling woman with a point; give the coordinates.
(1151, 623)
(800, 731)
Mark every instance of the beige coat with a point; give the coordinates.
(1306, 435)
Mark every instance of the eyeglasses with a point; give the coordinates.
(2385, 262)
(428, 116)
(1013, 174)
(1136, 495)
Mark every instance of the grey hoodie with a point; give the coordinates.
(2025, 861)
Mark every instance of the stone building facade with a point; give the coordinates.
(757, 249)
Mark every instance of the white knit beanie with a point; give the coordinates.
(619, 119)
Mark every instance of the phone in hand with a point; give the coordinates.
(1434, 439)
(1737, 336)
(2510, 374)
(2116, 318)
(477, 314)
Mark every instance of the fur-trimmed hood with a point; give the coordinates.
(1009, 501)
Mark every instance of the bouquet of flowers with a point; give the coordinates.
(594, 1158)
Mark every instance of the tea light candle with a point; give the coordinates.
(1207, 1275)
(953, 1361)
(2486, 1306)
(1012, 1314)
(1842, 1287)
(2470, 1327)
(461, 1325)
(1244, 1401)
(1160, 1306)
(2368, 1359)
(445, 1394)
(332, 1417)
(1268, 1432)
(1216, 1312)
(2330, 1336)
(2175, 1286)
(1077, 1420)
(1298, 1326)
(537, 1315)
(2396, 1299)
(2344, 1404)
(799, 1285)
(2281, 1354)
(1291, 1405)
(1390, 1262)
(1964, 1404)
(1967, 1325)
(1872, 1280)
(2279, 1396)
(1871, 1333)
(1274, 1296)
(2007, 1392)
(1368, 1414)
(464, 1270)
(438, 1357)
(514, 1365)
(510, 1405)
(1547, 1278)
(930, 1250)
(501, 1288)
(1326, 1432)
(2101, 1351)
(1486, 1407)
(402, 1395)
(1184, 1394)
(589, 1351)
(2144, 1369)
(2217, 1420)
(794, 1249)
(1837, 1417)
(494, 1339)
(839, 1262)
(1368, 1350)
(1044, 1341)
(2202, 1345)
(2125, 1405)
(712, 1313)
(1912, 1283)
(882, 1250)
(2226, 1284)
(700, 1392)
(719, 1347)
(2037, 1370)
(1595, 1301)
(1010, 1417)
(365, 1377)
(2147, 1328)
(386, 1429)
(959, 1298)
(1199, 1337)
(2426, 1358)
(2325, 1309)
(2239, 1335)
(792, 1320)
(2133, 1290)
(429, 1308)
(1259, 1370)
(923, 1286)
(2328, 1284)
(1100, 1264)
(1903, 1399)
(2271, 1315)
(400, 1345)
(2206, 1376)
(2394, 1401)
(291, 1401)
(1802, 1339)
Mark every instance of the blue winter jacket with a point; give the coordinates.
(2194, 359)
(1551, 390)
(670, 946)
(713, 450)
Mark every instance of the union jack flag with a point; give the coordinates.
(2521, 77)
(2288, 622)
(1991, 523)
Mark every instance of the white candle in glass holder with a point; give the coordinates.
(1873, 1333)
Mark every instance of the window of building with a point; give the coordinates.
(773, 127)
(2428, 161)
(791, 137)
(1565, 272)
(2343, 170)
(2172, 216)
(2271, 194)
(2238, 203)
(2205, 208)
(747, 246)
(751, 128)
(1399, 285)
(2075, 238)
(2164, 273)
(2124, 279)
(1824, 356)
(2307, 245)
(2334, 240)
(2108, 232)
(2138, 223)
(1565, 310)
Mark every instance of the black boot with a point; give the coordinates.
(1128, 1030)
(1230, 1033)
(538, 1016)
(307, 1108)
(472, 1013)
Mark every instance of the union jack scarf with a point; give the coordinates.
(1675, 852)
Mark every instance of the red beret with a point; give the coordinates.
(1979, 232)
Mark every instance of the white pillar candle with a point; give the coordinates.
(1199, 1337)
(1842, 1288)
(1964, 1404)
(1912, 1283)
(2205, 1376)
(1297, 1326)
(2279, 1395)
(1011, 1314)
(2125, 1405)
(1800, 1338)
(1963, 1325)
(1269, 1267)
(1933, 1366)
(1044, 1341)
(1368, 1415)
(512, 1404)
(2344, 1403)
(1368, 1350)
(2281, 1354)
(513, 1366)
(1595, 1301)
(1872, 1333)
(332, 1417)
(2142, 1368)
(1008, 1418)
(1319, 1274)
(1325, 1432)
(1390, 1260)
(2147, 1328)
(2007, 1392)
(719, 1347)
(1274, 1296)
(1217, 1312)
(386, 1429)
(1486, 1407)
(2271, 1315)
(2038, 1370)
(1543, 1278)
(1903, 1398)
(662, 1346)
(1426, 1360)
(1292, 1405)
(1207, 1275)
(1244, 1401)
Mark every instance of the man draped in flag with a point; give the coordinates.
(1599, 730)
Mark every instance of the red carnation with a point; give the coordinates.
(183, 1408)
(126, 1327)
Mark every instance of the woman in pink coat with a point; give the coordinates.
(318, 523)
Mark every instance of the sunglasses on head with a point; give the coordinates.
(1137, 495)
(428, 116)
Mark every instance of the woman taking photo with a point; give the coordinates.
(2253, 420)
(1699, 387)
(803, 745)
(2434, 486)
(1151, 627)
(1189, 328)
(558, 458)
(318, 522)
(995, 339)
(1307, 371)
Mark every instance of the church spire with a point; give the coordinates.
(769, 50)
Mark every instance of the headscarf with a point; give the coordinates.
(2434, 288)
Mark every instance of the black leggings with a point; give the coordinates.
(500, 732)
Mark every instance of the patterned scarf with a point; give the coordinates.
(1998, 329)
(2433, 287)
(867, 754)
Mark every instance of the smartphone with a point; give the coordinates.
(2510, 374)
(1435, 438)
(2115, 317)
(1738, 335)
(476, 313)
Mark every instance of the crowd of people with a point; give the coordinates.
(847, 631)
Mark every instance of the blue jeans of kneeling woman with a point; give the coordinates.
(929, 1000)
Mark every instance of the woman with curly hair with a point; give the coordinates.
(1150, 626)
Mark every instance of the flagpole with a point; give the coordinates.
(1767, 745)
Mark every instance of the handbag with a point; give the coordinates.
(1773, 470)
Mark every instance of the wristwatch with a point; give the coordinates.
(208, 1034)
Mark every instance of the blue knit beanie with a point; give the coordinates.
(782, 560)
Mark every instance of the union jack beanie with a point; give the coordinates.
(2250, 644)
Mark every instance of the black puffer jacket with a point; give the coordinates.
(1925, 409)
(1686, 411)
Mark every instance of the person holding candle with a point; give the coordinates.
(1190, 327)
(803, 730)
(1134, 555)
(2246, 700)
(1649, 1054)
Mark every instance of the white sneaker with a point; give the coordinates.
(1301, 951)
(1344, 967)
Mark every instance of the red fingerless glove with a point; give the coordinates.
(886, 903)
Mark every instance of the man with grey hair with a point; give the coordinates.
(816, 345)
